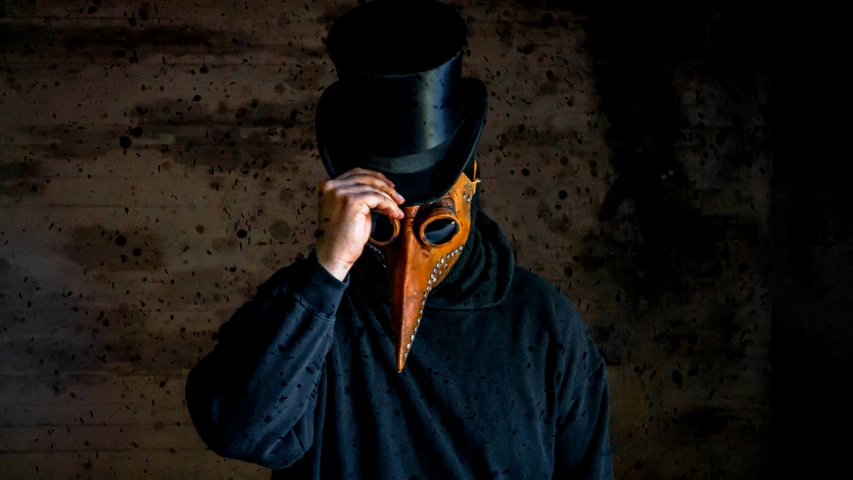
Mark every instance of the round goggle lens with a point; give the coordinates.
(440, 231)
(382, 229)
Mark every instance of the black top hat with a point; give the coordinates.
(400, 105)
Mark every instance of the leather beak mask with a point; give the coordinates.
(418, 252)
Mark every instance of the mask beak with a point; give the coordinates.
(410, 270)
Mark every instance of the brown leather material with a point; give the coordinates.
(415, 266)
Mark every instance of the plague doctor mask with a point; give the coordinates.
(418, 251)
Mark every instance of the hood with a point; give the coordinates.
(481, 278)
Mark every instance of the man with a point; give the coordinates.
(319, 376)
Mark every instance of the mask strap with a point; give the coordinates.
(475, 180)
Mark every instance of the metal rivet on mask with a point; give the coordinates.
(405, 355)
(419, 318)
(409, 346)
(428, 288)
(464, 196)
(442, 260)
(469, 200)
(437, 265)
(413, 337)
(421, 312)
(423, 303)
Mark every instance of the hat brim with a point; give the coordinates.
(419, 187)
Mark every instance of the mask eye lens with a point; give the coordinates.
(440, 231)
(383, 229)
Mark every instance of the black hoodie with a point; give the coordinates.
(503, 382)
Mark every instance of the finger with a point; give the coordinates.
(374, 173)
(364, 171)
(371, 198)
(360, 188)
(377, 183)
(381, 185)
(357, 188)
(375, 200)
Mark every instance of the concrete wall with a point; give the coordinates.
(812, 225)
(157, 162)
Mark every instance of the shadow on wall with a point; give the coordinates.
(672, 160)
(641, 54)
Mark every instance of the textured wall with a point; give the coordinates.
(812, 257)
(157, 162)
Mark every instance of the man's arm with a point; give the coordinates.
(582, 443)
(253, 397)
(583, 435)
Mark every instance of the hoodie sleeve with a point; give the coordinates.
(253, 397)
(582, 443)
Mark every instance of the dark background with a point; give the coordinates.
(811, 262)
(674, 167)
(808, 263)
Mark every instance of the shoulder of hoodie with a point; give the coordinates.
(536, 299)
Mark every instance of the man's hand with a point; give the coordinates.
(344, 222)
